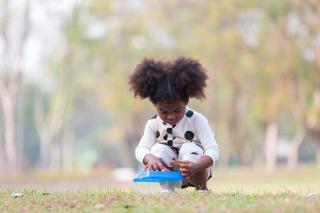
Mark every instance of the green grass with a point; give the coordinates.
(183, 201)
(232, 190)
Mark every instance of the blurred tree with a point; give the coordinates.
(54, 116)
(15, 30)
(308, 15)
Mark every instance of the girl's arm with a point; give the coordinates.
(142, 151)
(147, 140)
(207, 139)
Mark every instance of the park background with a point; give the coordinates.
(67, 113)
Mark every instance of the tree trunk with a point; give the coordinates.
(314, 121)
(14, 40)
(318, 153)
(2, 162)
(49, 127)
(294, 150)
(67, 152)
(44, 152)
(8, 107)
(271, 145)
(293, 159)
(55, 153)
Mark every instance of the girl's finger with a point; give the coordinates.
(151, 167)
(185, 166)
(185, 173)
(162, 168)
(155, 167)
(184, 169)
(159, 167)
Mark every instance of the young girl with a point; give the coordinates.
(177, 132)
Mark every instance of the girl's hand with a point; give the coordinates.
(188, 169)
(153, 163)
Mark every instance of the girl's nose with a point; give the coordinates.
(170, 117)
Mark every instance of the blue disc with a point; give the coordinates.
(158, 176)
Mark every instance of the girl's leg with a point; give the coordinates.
(192, 152)
(165, 153)
(200, 180)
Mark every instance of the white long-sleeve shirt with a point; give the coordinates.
(193, 127)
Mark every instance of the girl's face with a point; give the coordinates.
(171, 112)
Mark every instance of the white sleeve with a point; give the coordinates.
(148, 139)
(206, 138)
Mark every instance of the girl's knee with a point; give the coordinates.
(191, 152)
(164, 152)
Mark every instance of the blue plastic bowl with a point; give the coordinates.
(158, 176)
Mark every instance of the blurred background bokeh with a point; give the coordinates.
(66, 107)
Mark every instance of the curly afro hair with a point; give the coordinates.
(175, 80)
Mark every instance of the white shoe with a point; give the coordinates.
(166, 191)
(203, 191)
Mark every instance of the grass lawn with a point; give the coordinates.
(232, 190)
(184, 201)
